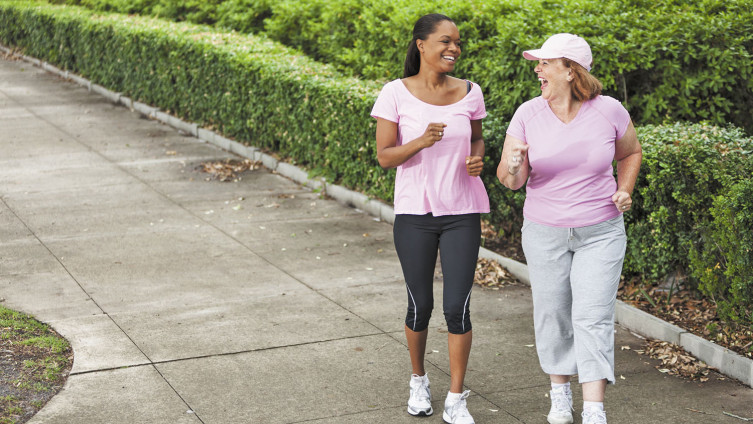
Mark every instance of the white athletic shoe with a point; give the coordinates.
(419, 402)
(594, 416)
(561, 411)
(457, 413)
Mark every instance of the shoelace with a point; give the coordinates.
(561, 402)
(460, 408)
(422, 392)
(594, 417)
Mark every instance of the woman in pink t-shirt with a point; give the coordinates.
(562, 145)
(429, 127)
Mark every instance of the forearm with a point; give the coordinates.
(478, 148)
(627, 172)
(512, 181)
(391, 157)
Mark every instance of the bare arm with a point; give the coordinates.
(390, 155)
(474, 163)
(628, 154)
(513, 167)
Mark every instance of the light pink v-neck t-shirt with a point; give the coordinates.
(435, 179)
(571, 182)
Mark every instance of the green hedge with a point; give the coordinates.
(667, 60)
(722, 260)
(684, 167)
(246, 87)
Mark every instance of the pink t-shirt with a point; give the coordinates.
(571, 182)
(435, 179)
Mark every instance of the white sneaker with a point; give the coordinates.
(594, 416)
(419, 402)
(457, 413)
(561, 411)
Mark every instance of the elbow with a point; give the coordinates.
(384, 163)
(507, 183)
(511, 182)
(514, 186)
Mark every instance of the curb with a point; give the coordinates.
(726, 361)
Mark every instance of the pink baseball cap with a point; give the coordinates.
(563, 45)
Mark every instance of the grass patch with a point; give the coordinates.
(34, 362)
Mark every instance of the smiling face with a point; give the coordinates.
(555, 78)
(441, 49)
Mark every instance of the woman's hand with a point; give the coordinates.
(474, 165)
(390, 155)
(434, 132)
(513, 167)
(622, 201)
(516, 157)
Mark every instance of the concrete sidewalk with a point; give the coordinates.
(258, 301)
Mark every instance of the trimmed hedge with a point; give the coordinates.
(257, 91)
(246, 87)
(722, 261)
(684, 167)
(667, 60)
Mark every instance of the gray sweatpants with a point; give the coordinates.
(574, 276)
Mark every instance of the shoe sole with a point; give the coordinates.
(562, 420)
(446, 418)
(420, 413)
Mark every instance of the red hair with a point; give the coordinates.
(584, 86)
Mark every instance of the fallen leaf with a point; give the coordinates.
(228, 169)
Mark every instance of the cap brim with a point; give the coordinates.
(540, 54)
(532, 54)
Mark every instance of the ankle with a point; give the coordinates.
(565, 386)
(453, 397)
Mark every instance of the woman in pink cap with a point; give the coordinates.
(562, 145)
(429, 128)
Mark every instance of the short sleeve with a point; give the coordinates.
(480, 110)
(616, 114)
(385, 106)
(622, 120)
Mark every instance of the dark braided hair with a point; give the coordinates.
(424, 26)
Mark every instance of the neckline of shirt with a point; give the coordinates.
(583, 105)
(402, 84)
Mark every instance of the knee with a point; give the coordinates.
(458, 318)
(418, 316)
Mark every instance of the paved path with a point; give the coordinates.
(257, 301)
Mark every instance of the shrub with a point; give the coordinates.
(667, 60)
(722, 260)
(684, 168)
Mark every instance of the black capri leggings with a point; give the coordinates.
(458, 238)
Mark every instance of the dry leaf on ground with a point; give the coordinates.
(228, 169)
(676, 361)
(491, 274)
